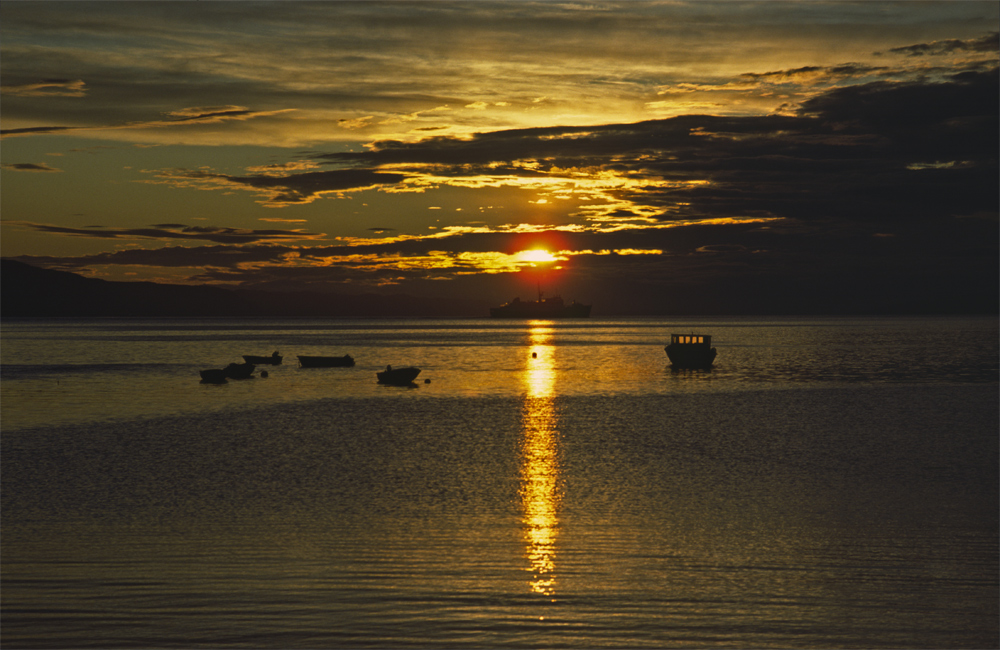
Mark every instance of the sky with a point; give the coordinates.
(644, 157)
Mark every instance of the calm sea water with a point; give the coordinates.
(831, 483)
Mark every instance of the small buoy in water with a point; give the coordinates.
(263, 373)
(427, 381)
(534, 355)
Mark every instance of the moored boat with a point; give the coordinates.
(213, 376)
(239, 370)
(691, 351)
(397, 376)
(273, 360)
(345, 361)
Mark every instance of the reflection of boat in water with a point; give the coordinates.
(553, 307)
(213, 376)
(345, 361)
(690, 351)
(397, 376)
(239, 370)
(273, 360)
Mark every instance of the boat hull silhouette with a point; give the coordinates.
(397, 376)
(213, 376)
(270, 360)
(239, 370)
(345, 361)
(691, 351)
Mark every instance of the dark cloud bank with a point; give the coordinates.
(884, 195)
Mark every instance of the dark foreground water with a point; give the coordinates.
(830, 484)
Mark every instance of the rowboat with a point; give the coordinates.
(213, 376)
(239, 370)
(397, 376)
(345, 361)
(273, 360)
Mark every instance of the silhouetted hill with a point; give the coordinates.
(29, 291)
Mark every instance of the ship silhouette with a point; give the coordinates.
(553, 307)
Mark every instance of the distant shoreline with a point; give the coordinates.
(32, 292)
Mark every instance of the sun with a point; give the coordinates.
(535, 255)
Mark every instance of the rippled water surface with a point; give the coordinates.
(830, 483)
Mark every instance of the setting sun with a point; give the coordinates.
(535, 255)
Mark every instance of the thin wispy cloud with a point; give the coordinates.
(170, 232)
(48, 88)
(28, 167)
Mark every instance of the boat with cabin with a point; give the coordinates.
(691, 351)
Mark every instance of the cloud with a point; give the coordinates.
(281, 190)
(282, 169)
(383, 68)
(878, 151)
(825, 73)
(36, 130)
(28, 167)
(182, 117)
(213, 113)
(169, 232)
(987, 43)
(48, 88)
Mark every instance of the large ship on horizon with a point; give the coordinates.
(553, 307)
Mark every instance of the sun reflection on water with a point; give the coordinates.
(539, 461)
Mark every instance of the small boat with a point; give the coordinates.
(213, 376)
(345, 361)
(397, 376)
(691, 351)
(239, 370)
(273, 360)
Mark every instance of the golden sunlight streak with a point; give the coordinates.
(539, 489)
